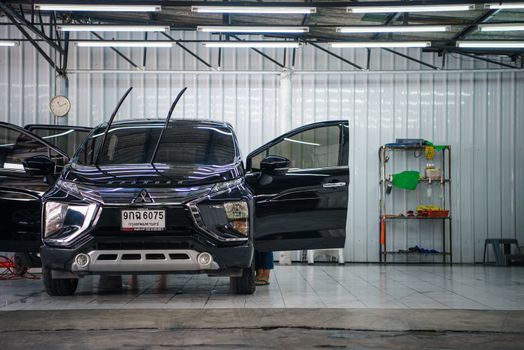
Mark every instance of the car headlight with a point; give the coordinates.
(63, 222)
(237, 214)
(222, 186)
(54, 217)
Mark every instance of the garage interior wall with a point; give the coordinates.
(479, 114)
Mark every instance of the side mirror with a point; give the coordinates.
(39, 165)
(274, 165)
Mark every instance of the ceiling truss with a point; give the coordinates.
(41, 29)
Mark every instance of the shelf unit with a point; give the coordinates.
(444, 156)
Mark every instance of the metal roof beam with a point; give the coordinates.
(117, 52)
(177, 42)
(335, 55)
(17, 19)
(33, 41)
(262, 54)
(486, 60)
(411, 58)
(473, 26)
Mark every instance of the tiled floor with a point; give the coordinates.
(296, 286)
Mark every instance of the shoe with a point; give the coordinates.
(261, 282)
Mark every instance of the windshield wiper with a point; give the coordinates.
(106, 131)
(165, 125)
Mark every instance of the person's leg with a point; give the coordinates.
(266, 264)
(258, 262)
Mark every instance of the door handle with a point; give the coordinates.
(334, 184)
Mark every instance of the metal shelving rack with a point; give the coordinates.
(445, 187)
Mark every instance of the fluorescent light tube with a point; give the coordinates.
(491, 44)
(382, 44)
(251, 44)
(251, 29)
(115, 43)
(507, 6)
(98, 8)
(410, 8)
(110, 28)
(392, 29)
(254, 9)
(500, 27)
(9, 43)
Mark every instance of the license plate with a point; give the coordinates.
(143, 220)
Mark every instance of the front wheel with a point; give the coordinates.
(58, 287)
(244, 284)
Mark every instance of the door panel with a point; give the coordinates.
(305, 208)
(20, 193)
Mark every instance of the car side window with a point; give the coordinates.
(314, 148)
(15, 146)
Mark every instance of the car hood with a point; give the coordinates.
(122, 184)
(160, 175)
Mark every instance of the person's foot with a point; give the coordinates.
(262, 277)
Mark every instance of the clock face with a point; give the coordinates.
(59, 106)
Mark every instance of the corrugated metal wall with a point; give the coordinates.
(479, 114)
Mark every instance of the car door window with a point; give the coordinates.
(66, 139)
(15, 146)
(314, 148)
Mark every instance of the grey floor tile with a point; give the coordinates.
(295, 286)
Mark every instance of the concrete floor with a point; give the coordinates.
(321, 306)
(262, 329)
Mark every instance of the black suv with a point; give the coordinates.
(145, 196)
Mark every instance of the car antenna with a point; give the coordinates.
(109, 123)
(166, 124)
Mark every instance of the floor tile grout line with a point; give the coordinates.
(149, 286)
(463, 296)
(377, 288)
(209, 295)
(344, 287)
(179, 289)
(279, 289)
(309, 284)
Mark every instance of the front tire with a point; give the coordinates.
(244, 284)
(58, 287)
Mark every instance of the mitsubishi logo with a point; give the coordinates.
(143, 197)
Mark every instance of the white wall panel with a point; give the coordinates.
(479, 114)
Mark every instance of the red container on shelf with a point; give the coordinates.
(438, 213)
(433, 213)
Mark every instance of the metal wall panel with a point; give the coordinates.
(478, 114)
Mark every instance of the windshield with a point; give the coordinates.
(183, 144)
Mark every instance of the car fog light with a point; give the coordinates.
(204, 258)
(82, 260)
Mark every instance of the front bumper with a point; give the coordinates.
(100, 261)
(145, 261)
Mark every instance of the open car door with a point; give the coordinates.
(25, 162)
(300, 181)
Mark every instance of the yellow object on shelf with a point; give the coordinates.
(430, 152)
(428, 207)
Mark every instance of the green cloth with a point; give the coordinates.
(438, 148)
(407, 180)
